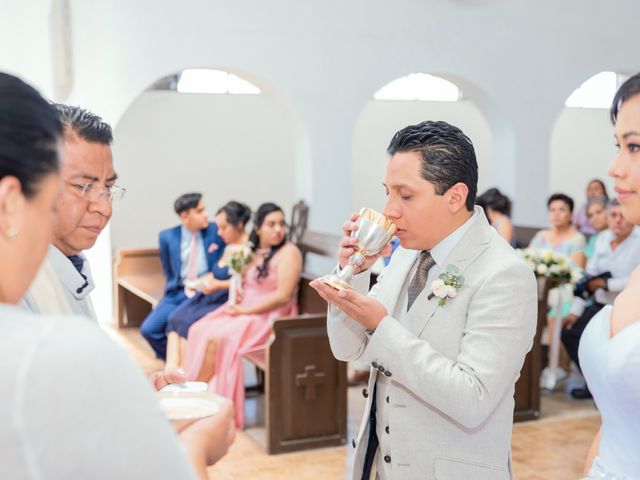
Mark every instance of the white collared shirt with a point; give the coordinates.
(619, 262)
(439, 253)
(76, 287)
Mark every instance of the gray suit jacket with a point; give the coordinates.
(454, 367)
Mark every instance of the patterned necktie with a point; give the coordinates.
(419, 279)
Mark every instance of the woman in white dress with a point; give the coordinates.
(610, 346)
(73, 404)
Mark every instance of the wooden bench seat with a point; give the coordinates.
(138, 284)
(305, 386)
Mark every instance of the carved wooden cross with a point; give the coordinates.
(310, 379)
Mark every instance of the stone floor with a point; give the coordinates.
(553, 447)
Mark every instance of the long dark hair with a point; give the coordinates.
(495, 200)
(602, 185)
(264, 210)
(628, 89)
(29, 132)
(238, 214)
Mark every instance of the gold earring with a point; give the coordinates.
(11, 232)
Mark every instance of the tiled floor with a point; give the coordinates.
(551, 448)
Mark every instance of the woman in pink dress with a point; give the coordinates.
(216, 342)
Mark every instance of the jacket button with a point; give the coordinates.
(387, 459)
(353, 442)
(365, 394)
(387, 373)
(386, 429)
(387, 399)
(380, 368)
(374, 364)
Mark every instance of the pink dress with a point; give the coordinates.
(236, 335)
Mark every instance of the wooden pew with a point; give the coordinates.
(138, 284)
(524, 235)
(305, 386)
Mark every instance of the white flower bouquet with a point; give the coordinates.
(546, 263)
(236, 257)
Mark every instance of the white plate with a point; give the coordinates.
(188, 406)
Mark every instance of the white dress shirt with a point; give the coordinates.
(75, 405)
(76, 288)
(619, 262)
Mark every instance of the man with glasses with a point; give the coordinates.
(83, 210)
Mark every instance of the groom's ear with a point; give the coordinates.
(456, 197)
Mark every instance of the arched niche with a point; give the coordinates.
(381, 118)
(249, 148)
(582, 144)
(225, 146)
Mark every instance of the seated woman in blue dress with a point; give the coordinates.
(231, 221)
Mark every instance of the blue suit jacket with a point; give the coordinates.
(170, 255)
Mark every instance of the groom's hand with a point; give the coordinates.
(348, 246)
(365, 310)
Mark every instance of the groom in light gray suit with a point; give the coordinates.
(445, 353)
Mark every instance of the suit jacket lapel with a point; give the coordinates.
(389, 295)
(211, 247)
(176, 240)
(468, 249)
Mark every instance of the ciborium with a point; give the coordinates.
(374, 232)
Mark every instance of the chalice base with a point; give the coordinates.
(335, 282)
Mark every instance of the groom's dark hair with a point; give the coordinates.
(447, 155)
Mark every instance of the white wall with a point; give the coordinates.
(380, 120)
(25, 42)
(516, 61)
(582, 147)
(229, 147)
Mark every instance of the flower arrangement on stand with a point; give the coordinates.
(236, 258)
(563, 273)
(555, 266)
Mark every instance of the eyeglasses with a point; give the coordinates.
(95, 193)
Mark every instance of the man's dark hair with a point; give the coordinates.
(186, 202)
(628, 89)
(86, 125)
(29, 134)
(447, 155)
(563, 198)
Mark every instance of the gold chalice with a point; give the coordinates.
(374, 232)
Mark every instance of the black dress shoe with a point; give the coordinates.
(581, 393)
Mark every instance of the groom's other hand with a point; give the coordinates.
(365, 310)
(348, 246)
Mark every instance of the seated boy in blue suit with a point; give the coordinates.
(186, 252)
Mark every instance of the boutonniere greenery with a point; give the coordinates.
(447, 285)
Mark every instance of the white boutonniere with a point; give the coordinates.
(447, 285)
